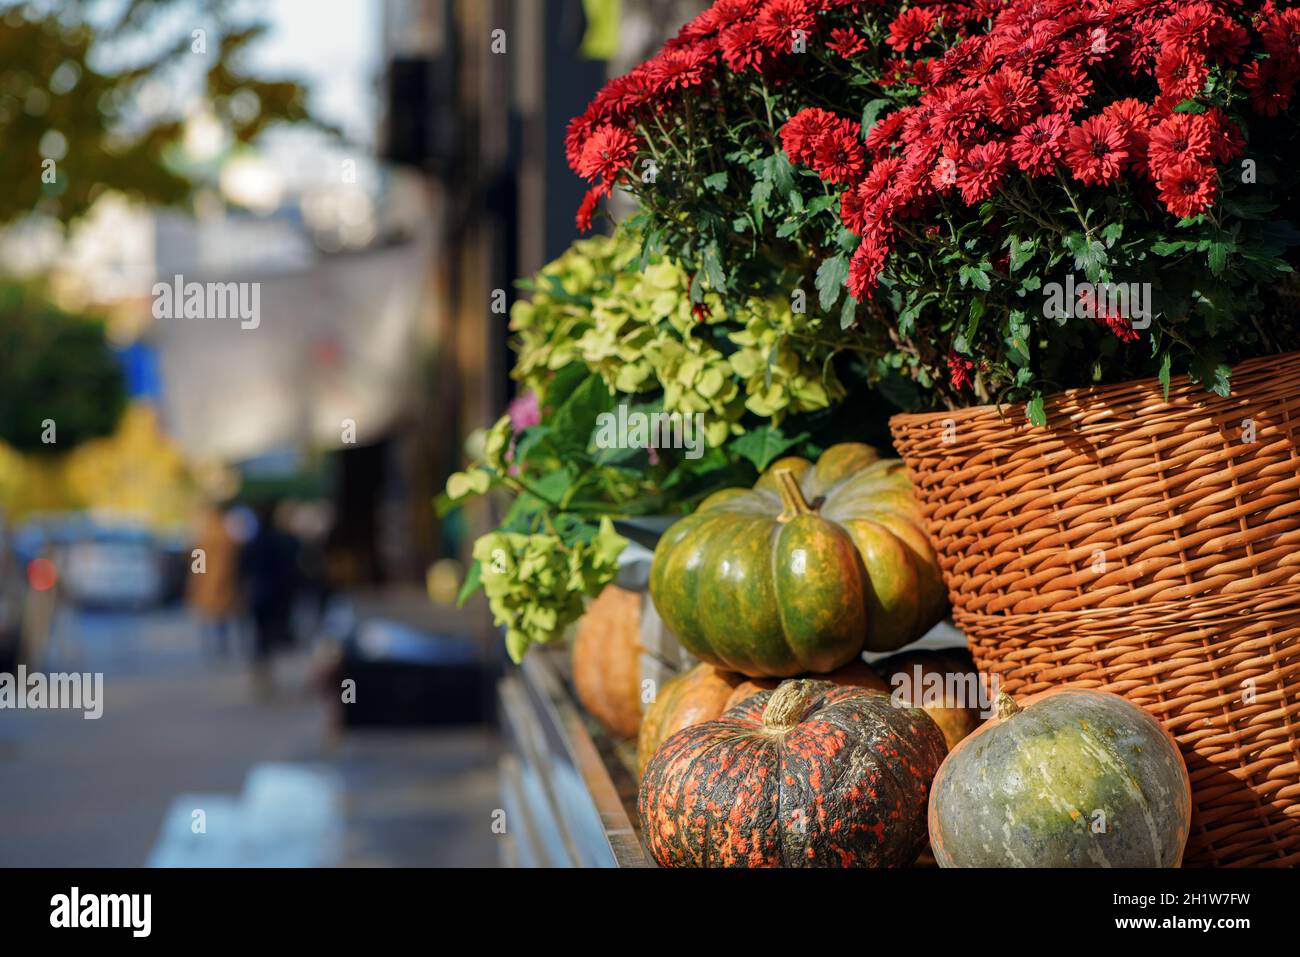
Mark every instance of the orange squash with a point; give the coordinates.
(700, 694)
(607, 661)
(942, 682)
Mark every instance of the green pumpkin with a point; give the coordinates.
(1068, 778)
(802, 572)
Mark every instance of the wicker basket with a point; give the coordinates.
(1150, 548)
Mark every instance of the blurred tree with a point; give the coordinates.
(93, 96)
(58, 368)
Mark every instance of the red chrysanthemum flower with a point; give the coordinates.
(1226, 139)
(856, 202)
(911, 29)
(1182, 136)
(1066, 87)
(1095, 151)
(740, 48)
(1181, 73)
(608, 151)
(722, 15)
(783, 23)
(846, 43)
(959, 371)
(1280, 34)
(679, 69)
(1120, 326)
(866, 265)
(621, 96)
(980, 169)
(1132, 116)
(588, 208)
(884, 133)
(956, 116)
(1188, 188)
(1010, 98)
(800, 134)
(838, 154)
(853, 209)
(1269, 85)
(943, 176)
(576, 135)
(1106, 312)
(1188, 26)
(1038, 146)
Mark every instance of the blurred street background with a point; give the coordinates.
(230, 514)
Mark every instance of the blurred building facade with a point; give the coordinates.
(478, 94)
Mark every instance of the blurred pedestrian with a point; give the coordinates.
(212, 590)
(269, 569)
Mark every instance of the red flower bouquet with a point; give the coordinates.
(963, 167)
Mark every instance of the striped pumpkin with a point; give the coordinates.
(802, 572)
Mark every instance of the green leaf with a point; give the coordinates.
(760, 194)
(871, 112)
(1218, 256)
(528, 440)
(782, 172)
(1166, 362)
(831, 275)
(1037, 415)
(573, 422)
(473, 482)
(713, 268)
(820, 203)
(1022, 252)
(975, 276)
(718, 181)
(764, 444)
(848, 311)
(1089, 255)
(473, 579)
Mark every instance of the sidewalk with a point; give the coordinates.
(97, 793)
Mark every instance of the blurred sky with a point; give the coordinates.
(332, 46)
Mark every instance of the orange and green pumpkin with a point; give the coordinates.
(809, 775)
(802, 572)
(704, 692)
(1073, 778)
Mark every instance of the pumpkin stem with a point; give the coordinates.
(791, 495)
(786, 707)
(1006, 706)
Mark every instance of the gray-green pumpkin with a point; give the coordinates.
(1073, 778)
(804, 570)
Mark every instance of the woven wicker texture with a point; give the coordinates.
(1151, 549)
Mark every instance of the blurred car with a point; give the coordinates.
(113, 569)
